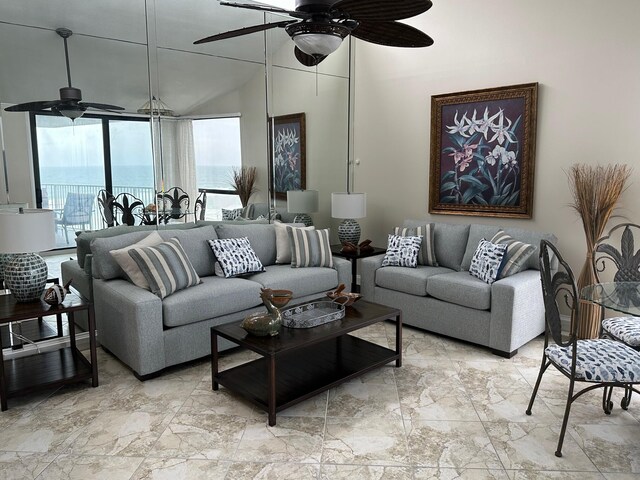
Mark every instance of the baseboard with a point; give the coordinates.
(82, 342)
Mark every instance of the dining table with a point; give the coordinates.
(622, 297)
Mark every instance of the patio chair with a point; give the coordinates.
(127, 209)
(200, 207)
(105, 201)
(625, 265)
(600, 362)
(173, 204)
(77, 210)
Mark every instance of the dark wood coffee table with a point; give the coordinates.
(300, 363)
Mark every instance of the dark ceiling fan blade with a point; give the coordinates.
(243, 31)
(381, 10)
(32, 106)
(100, 106)
(392, 34)
(306, 59)
(266, 8)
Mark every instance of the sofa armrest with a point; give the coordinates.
(368, 267)
(129, 323)
(517, 311)
(343, 267)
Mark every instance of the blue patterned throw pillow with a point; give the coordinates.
(487, 261)
(402, 251)
(236, 257)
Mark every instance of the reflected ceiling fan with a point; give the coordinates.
(70, 104)
(323, 24)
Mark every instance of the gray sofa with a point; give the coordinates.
(149, 334)
(449, 301)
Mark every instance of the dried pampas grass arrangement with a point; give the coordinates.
(596, 190)
(244, 180)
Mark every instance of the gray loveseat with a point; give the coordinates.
(149, 334)
(449, 301)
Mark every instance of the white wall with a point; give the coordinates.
(585, 54)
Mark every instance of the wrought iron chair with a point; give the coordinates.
(200, 207)
(77, 210)
(625, 265)
(127, 209)
(105, 201)
(600, 362)
(173, 204)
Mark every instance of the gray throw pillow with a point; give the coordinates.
(517, 254)
(310, 248)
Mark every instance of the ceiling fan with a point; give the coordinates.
(323, 24)
(70, 104)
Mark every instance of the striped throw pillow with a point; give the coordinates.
(166, 267)
(310, 248)
(516, 256)
(427, 254)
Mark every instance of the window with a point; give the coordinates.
(217, 152)
(75, 160)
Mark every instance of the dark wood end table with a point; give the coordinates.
(58, 367)
(353, 257)
(302, 362)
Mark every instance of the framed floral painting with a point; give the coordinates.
(483, 152)
(288, 161)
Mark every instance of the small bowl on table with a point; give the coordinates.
(279, 297)
(345, 299)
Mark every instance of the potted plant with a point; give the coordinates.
(243, 180)
(596, 190)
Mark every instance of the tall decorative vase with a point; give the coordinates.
(596, 190)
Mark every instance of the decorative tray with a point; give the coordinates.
(312, 314)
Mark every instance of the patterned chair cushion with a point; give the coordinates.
(626, 329)
(599, 360)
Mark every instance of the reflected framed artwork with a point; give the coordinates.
(288, 160)
(483, 152)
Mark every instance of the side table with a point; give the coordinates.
(353, 257)
(58, 367)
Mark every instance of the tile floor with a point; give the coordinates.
(452, 411)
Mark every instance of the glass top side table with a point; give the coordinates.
(620, 296)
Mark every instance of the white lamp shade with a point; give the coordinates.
(302, 201)
(348, 205)
(27, 232)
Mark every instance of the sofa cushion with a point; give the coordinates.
(516, 256)
(214, 297)
(450, 242)
(194, 242)
(408, 280)
(462, 289)
(310, 248)
(129, 265)
(301, 281)
(402, 251)
(166, 267)
(103, 265)
(488, 261)
(476, 233)
(235, 256)
(84, 239)
(262, 238)
(427, 255)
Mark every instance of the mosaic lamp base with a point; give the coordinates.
(303, 218)
(349, 231)
(26, 276)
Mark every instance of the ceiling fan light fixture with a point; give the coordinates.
(317, 39)
(70, 111)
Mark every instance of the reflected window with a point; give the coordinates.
(75, 160)
(217, 149)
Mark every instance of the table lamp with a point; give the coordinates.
(302, 203)
(349, 206)
(24, 232)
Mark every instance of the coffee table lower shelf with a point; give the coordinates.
(305, 372)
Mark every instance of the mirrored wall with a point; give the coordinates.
(210, 103)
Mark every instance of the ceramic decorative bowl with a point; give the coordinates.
(280, 298)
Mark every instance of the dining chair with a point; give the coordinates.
(77, 210)
(173, 204)
(127, 209)
(200, 207)
(599, 362)
(617, 250)
(105, 201)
